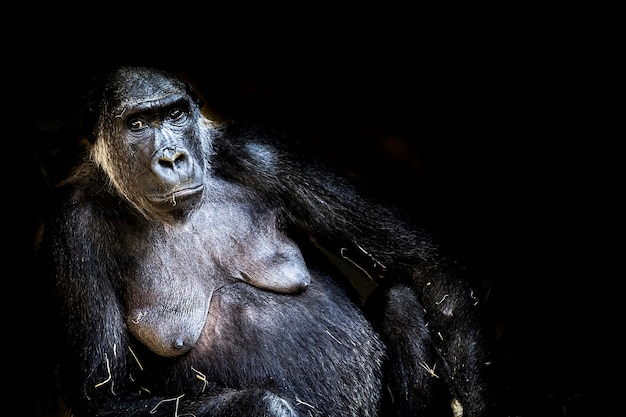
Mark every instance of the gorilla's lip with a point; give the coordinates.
(177, 194)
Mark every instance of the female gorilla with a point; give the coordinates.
(197, 269)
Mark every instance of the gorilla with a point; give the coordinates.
(199, 269)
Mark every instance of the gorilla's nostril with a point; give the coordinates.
(171, 157)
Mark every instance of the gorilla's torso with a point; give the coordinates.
(255, 338)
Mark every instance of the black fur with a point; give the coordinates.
(199, 268)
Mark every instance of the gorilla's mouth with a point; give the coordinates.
(179, 195)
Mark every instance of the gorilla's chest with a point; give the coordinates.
(172, 280)
(207, 248)
(221, 243)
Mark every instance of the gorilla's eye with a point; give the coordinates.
(136, 124)
(176, 113)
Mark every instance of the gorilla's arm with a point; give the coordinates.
(85, 313)
(330, 210)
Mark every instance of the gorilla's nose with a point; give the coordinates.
(173, 165)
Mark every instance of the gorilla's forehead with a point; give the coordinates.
(133, 85)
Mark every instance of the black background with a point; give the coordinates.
(495, 136)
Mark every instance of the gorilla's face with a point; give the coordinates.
(155, 147)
